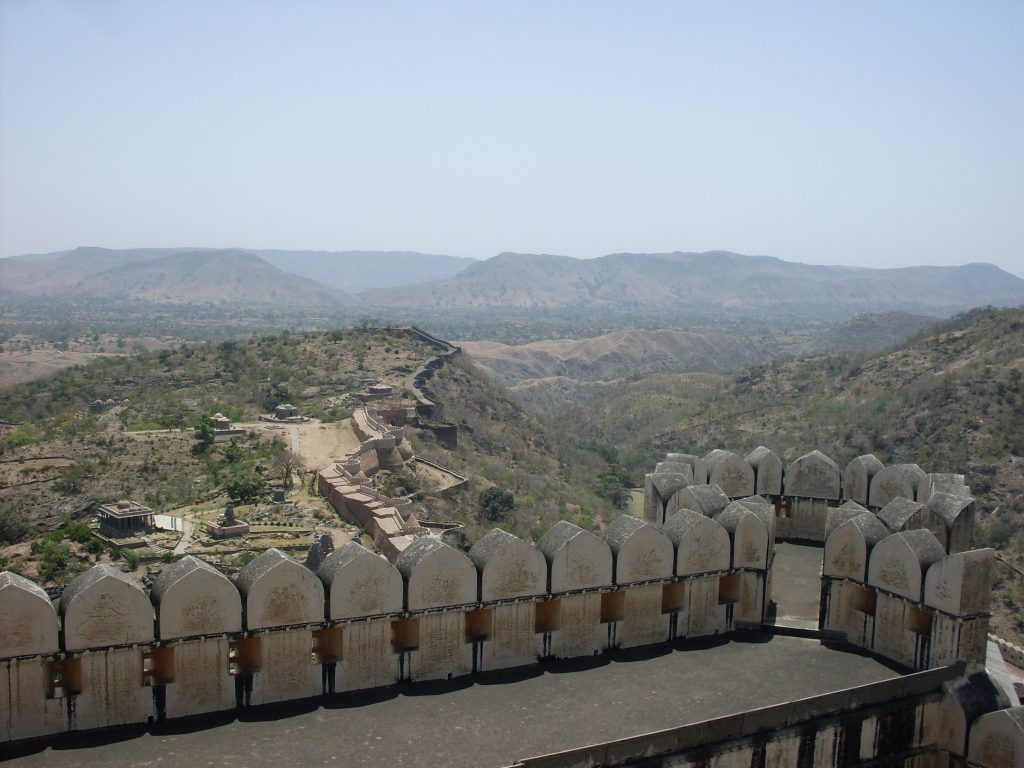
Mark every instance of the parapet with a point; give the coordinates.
(767, 471)
(899, 562)
(436, 575)
(30, 625)
(577, 559)
(730, 473)
(360, 584)
(102, 607)
(708, 500)
(858, 475)
(849, 545)
(508, 567)
(640, 551)
(813, 476)
(702, 545)
(895, 480)
(279, 592)
(193, 598)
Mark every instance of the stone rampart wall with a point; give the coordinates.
(115, 654)
(902, 597)
(804, 491)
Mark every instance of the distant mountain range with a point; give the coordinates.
(355, 271)
(407, 280)
(631, 281)
(228, 276)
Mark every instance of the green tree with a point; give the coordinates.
(205, 434)
(232, 451)
(496, 503)
(14, 525)
(246, 486)
(53, 557)
(72, 479)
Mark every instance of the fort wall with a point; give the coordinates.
(198, 642)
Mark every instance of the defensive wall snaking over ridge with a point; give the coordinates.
(112, 654)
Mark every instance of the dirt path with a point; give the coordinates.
(315, 442)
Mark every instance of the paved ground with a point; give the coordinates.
(796, 583)
(490, 721)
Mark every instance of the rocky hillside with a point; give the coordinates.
(503, 445)
(951, 400)
(628, 281)
(547, 375)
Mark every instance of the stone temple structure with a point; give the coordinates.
(898, 581)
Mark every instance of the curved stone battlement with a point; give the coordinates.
(198, 642)
(808, 489)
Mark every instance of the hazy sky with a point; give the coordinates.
(879, 134)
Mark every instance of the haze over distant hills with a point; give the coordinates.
(622, 282)
(355, 271)
(164, 276)
(715, 278)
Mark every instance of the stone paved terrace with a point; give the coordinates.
(491, 720)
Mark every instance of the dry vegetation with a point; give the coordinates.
(951, 401)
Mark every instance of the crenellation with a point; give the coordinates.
(199, 642)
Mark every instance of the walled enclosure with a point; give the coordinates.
(199, 642)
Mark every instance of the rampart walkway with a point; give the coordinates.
(498, 719)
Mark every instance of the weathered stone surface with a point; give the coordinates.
(814, 475)
(28, 710)
(580, 631)
(576, 558)
(847, 511)
(941, 483)
(360, 584)
(700, 472)
(436, 575)
(286, 669)
(902, 514)
(280, 592)
(193, 598)
(660, 489)
(514, 641)
(29, 624)
(898, 563)
(767, 471)
(895, 480)
(103, 607)
(709, 500)
(200, 682)
(730, 473)
(966, 699)
(848, 546)
(508, 567)
(641, 551)
(961, 584)
(858, 475)
(749, 534)
(111, 688)
(957, 514)
(443, 651)
(368, 659)
(997, 739)
(702, 545)
(643, 622)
